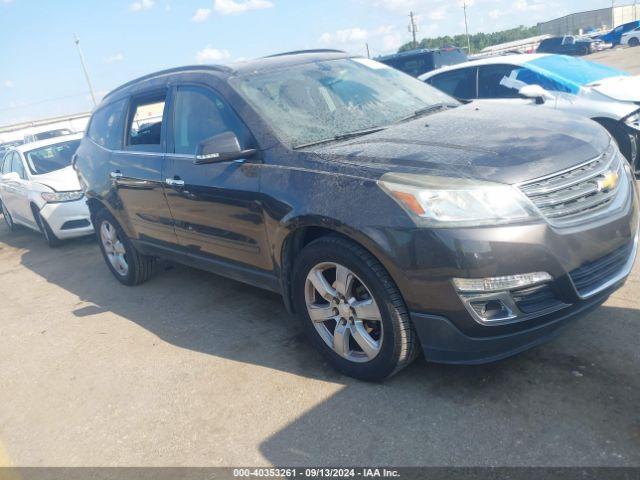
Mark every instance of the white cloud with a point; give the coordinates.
(345, 36)
(231, 7)
(385, 38)
(7, 1)
(117, 57)
(201, 15)
(140, 5)
(8, 84)
(210, 54)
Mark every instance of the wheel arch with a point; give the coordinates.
(302, 233)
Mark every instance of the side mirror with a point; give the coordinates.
(10, 177)
(536, 92)
(224, 147)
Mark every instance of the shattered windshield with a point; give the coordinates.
(323, 100)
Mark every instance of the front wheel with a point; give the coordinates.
(634, 42)
(352, 310)
(8, 220)
(49, 236)
(128, 265)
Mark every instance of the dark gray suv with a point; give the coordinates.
(392, 219)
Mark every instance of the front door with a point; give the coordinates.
(136, 171)
(216, 207)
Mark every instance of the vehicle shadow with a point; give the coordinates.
(573, 401)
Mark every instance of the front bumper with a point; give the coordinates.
(587, 262)
(68, 219)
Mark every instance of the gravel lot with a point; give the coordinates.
(195, 369)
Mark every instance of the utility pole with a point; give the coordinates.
(368, 52)
(466, 27)
(84, 69)
(413, 29)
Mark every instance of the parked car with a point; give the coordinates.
(631, 38)
(390, 217)
(40, 190)
(562, 83)
(35, 137)
(567, 45)
(418, 62)
(615, 36)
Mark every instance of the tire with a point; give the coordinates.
(634, 42)
(622, 139)
(394, 344)
(117, 248)
(49, 236)
(8, 220)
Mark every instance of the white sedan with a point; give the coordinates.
(40, 190)
(610, 97)
(631, 38)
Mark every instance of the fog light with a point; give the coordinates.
(492, 310)
(496, 284)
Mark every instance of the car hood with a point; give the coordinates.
(624, 89)
(63, 180)
(478, 141)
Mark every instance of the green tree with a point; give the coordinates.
(478, 40)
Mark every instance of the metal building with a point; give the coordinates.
(606, 18)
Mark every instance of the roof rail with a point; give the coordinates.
(302, 52)
(215, 68)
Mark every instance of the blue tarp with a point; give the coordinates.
(572, 72)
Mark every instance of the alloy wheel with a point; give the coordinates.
(344, 312)
(114, 248)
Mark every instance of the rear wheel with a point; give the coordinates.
(8, 220)
(128, 265)
(352, 310)
(634, 42)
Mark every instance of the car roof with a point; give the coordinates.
(245, 67)
(515, 59)
(418, 51)
(49, 141)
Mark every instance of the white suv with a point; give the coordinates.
(40, 190)
(631, 38)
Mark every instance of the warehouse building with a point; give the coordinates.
(604, 18)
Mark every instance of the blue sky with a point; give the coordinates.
(40, 74)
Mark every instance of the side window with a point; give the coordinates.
(529, 77)
(569, 41)
(145, 124)
(460, 84)
(18, 166)
(200, 114)
(6, 163)
(107, 125)
(498, 81)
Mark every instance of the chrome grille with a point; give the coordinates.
(575, 194)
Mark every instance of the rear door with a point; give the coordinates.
(216, 207)
(136, 170)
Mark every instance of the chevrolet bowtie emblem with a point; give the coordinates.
(609, 181)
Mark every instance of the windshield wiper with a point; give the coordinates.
(342, 136)
(431, 109)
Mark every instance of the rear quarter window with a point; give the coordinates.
(106, 127)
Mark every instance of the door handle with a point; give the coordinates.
(174, 182)
(116, 174)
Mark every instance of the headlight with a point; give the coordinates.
(633, 120)
(445, 202)
(57, 197)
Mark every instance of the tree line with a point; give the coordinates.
(478, 40)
